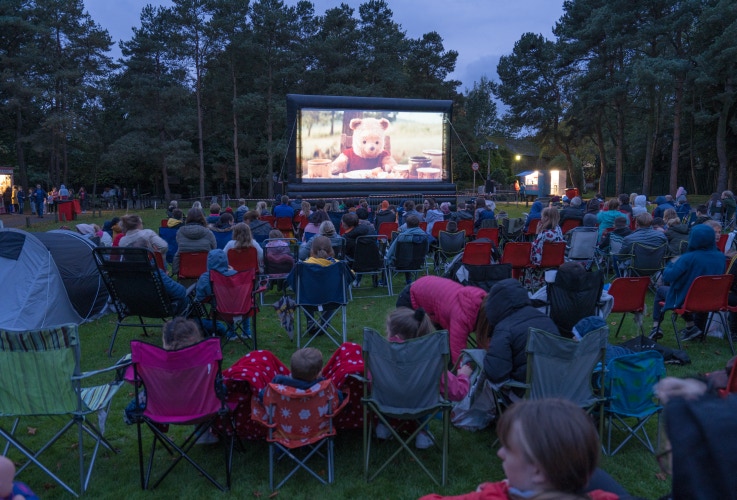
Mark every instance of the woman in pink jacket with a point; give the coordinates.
(453, 307)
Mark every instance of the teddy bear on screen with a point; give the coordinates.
(367, 151)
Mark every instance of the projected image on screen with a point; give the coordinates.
(370, 145)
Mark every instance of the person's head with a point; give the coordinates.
(173, 204)
(349, 220)
(632, 198)
(644, 220)
(412, 221)
(716, 227)
(177, 214)
(215, 209)
(727, 194)
(549, 219)
(461, 206)
(406, 323)
(250, 216)
(320, 204)
(242, 235)
(673, 221)
(576, 201)
(131, 222)
(327, 229)
(409, 205)
(624, 199)
(445, 207)
(385, 205)
(480, 202)
(306, 364)
(285, 200)
(179, 333)
(452, 226)
(322, 248)
(306, 207)
(197, 204)
(196, 216)
(702, 209)
(658, 223)
(431, 203)
(241, 202)
(547, 445)
(261, 207)
(226, 219)
(669, 214)
(275, 233)
(620, 222)
(362, 213)
(318, 217)
(613, 204)
(7, 474)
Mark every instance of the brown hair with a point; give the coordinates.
(482, 328)
(196, 216)
(670, 214)
(275, 233)
(412, 220)
(251, 215)
(130, 222)
(613, 204)
(327, 228)
(242, 236)
(306, 364)
(644, 220)
(215, 209)
(480, 202)
(407, 324)
(549, 218)
(557, 436)
(321, 248)
(350, 219)
(179, 333)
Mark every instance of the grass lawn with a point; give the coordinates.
(472, 459)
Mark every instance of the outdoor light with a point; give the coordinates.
(517, 157)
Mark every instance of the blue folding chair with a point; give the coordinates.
(630, 382)
(321, 293)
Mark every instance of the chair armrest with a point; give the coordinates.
(119, 366)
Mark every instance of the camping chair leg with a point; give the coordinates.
(621, 322)
(112, 341)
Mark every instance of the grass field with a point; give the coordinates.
(472, 458)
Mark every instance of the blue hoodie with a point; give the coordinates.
(702, 258)
(536, 211)
(663, 205)
(216, 261)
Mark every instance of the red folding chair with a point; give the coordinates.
(554, 254)
(285, 225)
(243, 259)
(722, 243)
(386, 229)
(491, 233)
(159, 261)
(466, 225)
(707, 294)
(569, 224)
(164, 222)
(235, 302)
(517, 253)
(440, 225)
(532, 229)
(477, 253)
(423, 226)
(629, 297)
(192, 264)
(270, 219)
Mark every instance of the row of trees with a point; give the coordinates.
(198, 98)
(639, 85)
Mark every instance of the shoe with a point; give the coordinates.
(207, 438)
(312, 329)
(382, 432)
(423, 440)
(655, 334)
(356, 284)
(691, 333)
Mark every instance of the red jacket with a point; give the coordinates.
(500, 491)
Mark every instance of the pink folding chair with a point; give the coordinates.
(181, 389)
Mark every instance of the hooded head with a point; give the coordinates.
(588, 325)
(660, 200)
(218, 261)
(536, 208)
(504, 298)
(701, 238)
(640, 200)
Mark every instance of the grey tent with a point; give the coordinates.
(48, 279)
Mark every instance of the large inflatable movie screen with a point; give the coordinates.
(369, 139)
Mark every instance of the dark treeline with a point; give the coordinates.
(197, 103)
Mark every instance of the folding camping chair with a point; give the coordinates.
(235, 303)
(387, 228)
(368, 258)
(42, 377)
(243, 259)
(321, 293)
(466, 225)
(575, 294)
(169, 234)
(279, 261)
(449, 245)
(707, 294)
(558, 367)
(630, 382)
(569, 225)
(409, 258)
(629, 297)
(135, 286)
(299, 420)
(183, 387)
(490, 233)
(517, 253)
(191, 265)
(405, 385)
(582, 244)
(647, 260)
(477, 253)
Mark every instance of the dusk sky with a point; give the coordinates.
(479, 30)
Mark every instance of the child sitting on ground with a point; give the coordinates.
(405, 324)
(9, 489)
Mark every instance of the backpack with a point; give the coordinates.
(670, 356)
(478, 409)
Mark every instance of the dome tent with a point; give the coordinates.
(49, 279)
